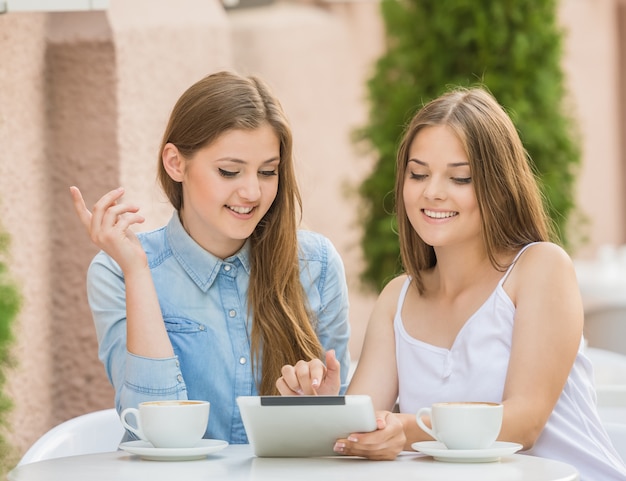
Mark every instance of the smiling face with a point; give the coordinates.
(228, 186)
(438, 194)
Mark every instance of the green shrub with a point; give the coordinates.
(511, 47)
(9, 307)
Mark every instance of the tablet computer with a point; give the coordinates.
(303, 426)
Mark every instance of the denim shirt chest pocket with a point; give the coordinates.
(199, 350)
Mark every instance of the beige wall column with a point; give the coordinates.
(591, 66)
(316, 60)
(23, 212)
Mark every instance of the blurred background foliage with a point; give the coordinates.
(512, 47)
(10, 301)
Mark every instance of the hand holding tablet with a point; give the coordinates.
(303, 426)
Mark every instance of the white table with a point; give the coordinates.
(238, 463)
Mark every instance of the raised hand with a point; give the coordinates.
(109, 225)
(311, 378)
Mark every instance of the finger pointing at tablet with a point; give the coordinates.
(311, 378)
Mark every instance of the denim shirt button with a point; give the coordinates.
(232, 313)
(227, 268)
(180, 378)
(242, 360)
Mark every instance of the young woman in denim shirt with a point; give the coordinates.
(211, 305)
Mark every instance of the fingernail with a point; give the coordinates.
(300, 392)
(352, 439)
(316, 382)
(339, 447)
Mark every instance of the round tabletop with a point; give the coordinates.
(238, 463)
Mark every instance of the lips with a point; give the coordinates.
(240, 210)
(434, 214)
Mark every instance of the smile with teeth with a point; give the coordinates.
(240, 210)
(439, 215)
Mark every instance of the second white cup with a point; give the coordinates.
(463, 425)
(169, 424)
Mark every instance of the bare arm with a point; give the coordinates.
(377, 376)
(109, 229)
(546, 336)
(376, 373)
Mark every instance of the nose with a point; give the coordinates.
(435, 188)
(250, 189)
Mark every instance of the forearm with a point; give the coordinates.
(146, 333)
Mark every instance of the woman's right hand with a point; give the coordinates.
(311, 378)
(109, 225)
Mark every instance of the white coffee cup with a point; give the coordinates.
(463, 425)
(169, 424)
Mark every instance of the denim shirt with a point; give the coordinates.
(203, 300)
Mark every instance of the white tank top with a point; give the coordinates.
(474, 369)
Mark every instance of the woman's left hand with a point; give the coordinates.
(383, 444)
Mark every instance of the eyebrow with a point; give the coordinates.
(451, 164)
(235, 160)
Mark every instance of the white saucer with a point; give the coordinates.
(147, 451)
(439, 451)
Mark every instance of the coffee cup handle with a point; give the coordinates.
(420, 423)
(135, 430)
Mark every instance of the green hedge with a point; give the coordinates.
(514, 49)
(9, 307)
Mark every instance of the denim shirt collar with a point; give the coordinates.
(201, 266)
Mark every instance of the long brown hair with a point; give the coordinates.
(511, 206)
(282, 328)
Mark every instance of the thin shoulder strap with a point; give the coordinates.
(405, 287)
(521, 251)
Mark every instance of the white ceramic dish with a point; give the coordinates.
(439, 451)
(146, 451)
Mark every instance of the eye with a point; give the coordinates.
(417, 176)
(268, 173)
(227, 173)
(462, 180)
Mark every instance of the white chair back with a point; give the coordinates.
(95, 432)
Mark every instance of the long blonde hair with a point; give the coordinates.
(511, 206)
(282, 328)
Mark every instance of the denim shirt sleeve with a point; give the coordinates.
(133, 377)
(333, 326)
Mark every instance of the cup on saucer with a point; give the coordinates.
(169, 424)
(463, 425)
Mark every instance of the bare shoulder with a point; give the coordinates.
(388, 299)
(544, 265)
(393, 288)
(545, 256)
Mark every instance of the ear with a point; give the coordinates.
(173, 162)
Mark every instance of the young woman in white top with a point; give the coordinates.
(489, 308)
